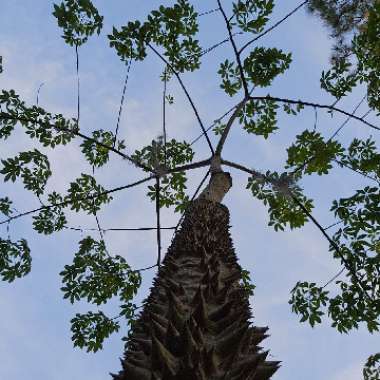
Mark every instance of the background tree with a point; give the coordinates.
(355, 245)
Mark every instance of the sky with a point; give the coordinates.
(35, 334)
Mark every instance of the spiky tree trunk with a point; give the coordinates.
(195, 323)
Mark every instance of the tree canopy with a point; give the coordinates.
(171, 34)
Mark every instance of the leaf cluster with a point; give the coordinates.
(96, 154)
(260, 68)
(259, 117)
(172, 28)
(51, 218)
(32, 166)
(15, 259)
(91, 329)
(161, 157)
(311, 153)
(79, 19)
(252, 15)
(277, 191)
(86, 194)
(96, 276)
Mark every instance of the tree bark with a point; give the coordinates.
(195, 323)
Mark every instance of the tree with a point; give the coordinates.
(169, 33)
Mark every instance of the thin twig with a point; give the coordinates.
(348, 118)
(164, 116)
(335, 277)
(214, 123)
(273, 26)
(67, 202)
(144, 269)
(301, 167)
(78, 83)
(208, 12)
(310, 104)
(186, 93)
(254, 173)
(355, 170)
(158, 221)
(38, 93)
(122, 102)
(119, 229)
(332, 244)
(6, 116)
(237, 54)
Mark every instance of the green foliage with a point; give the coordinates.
(231, 80)
(49, 130)
(306, 300)
(247, 282)
(311, 152)
(51, 218)
(292, 109)
(173, 28)
(264, 64)
(219, 128)
(90, 329)
(15, 259)
(277, 191)
(97, 276)
(85, 194)
(363, 156)
(260, 68)
(32, 166)
(158, 156)
(252, 15)
(371, 369)
(259, 117)
(339, 80)
(97, 154)
(79, 19)
(5, 206)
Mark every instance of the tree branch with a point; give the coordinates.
(317, 105)
(243, 168)
(186, 93)
(237, 54)
(226, 131)
(66, 203)
(158, 221)
(6, 116)
(332, 244)
(273, 26)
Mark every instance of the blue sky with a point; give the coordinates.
(34, 330)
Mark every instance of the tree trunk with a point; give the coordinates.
(195, 322)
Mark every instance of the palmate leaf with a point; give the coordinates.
(86, 194)
(172, 186)
(252, 15)
(79, 19)
(259, 117)
(15, 259)
(97, 277)
(371, 369)
(5, 206)
(277, 192)
(311, 153)
(32, 166)
(174, 28)
(91, 329)
(96, 154)
(51, 218)
(50, 130)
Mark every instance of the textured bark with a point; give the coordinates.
(195, 322)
